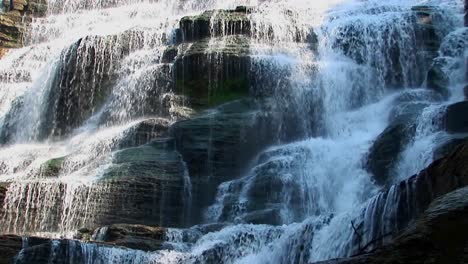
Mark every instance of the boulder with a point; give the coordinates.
(385, 151)
(455, 119)
(138, 237)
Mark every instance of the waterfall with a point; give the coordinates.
(251, 130)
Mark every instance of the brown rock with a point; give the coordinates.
(140, 237)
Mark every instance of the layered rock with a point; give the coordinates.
(219, 145)
(215, 23)
(389, 213)
(213, 71)
(14, 20)
(138, 237)
(439, 236)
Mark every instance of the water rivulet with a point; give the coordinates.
(241, 131)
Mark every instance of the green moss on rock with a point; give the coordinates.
(52, 168)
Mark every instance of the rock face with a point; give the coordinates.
(456, 118)
(218, 146)
(132, 236)
(389, 213)
(212, 62)
(12, 21)
(439, 236)
(385, 151)
(215, 23)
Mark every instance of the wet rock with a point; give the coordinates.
(437, 79)
(218, 145)
(212, 72)
(439, 236)
(390, 212)
(215, 23)
(14, 21)
(385, 151)
(465, 91)
(3, 190)
(144, 132)
(145, 185)
(138, 237)
(455, 119)
(448, 147)
(80, 86)
(10, 246)
(52, 167)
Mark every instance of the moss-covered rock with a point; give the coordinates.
(213, 72)
(52, 168)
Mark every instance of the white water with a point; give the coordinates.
(323, 181)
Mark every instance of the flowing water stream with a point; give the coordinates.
(345, 70)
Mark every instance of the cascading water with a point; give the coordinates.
(94, 114)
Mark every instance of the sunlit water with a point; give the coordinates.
(319, 184)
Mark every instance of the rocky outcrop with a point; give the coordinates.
(389, 213)
(213, 71)
(138, 237)
(14, 20)
(455, 119)
(25, 7)
(212, 62)
(439, 236)
(214, 23)
(385, 151)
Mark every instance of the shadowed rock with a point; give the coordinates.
(439, 236)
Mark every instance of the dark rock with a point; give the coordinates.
(10, 246)
(80, 85)
(385, 151)
(455, 119)
(440, 236)
(437, 79)
(390, 212)
(215, 75)
(448, 147)
(465, 91)
(219, 145)
(138, 237)
(144, 132)
(215, 23)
